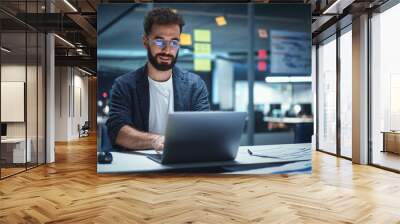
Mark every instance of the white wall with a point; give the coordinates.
(13, 72)
(61, 105)
(71, 94)
(80, 89)
(223, 84)
(33, 126)
(16, 73)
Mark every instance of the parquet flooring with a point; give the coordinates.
(10, 171)
(70, 191)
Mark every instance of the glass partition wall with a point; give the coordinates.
(385, 89)
(334, 86)
(345, 108)
(327, 94)
(13, 86)
(22, 87)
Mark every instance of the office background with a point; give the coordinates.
(367, 94)
(22, 107)
(215, 45)
(334, 52)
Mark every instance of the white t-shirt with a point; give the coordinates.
(161, 103)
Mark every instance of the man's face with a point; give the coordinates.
(162, 46)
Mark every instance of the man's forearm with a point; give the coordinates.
(131, 138)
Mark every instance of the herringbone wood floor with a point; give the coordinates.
(70, 191)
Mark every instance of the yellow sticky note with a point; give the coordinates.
(202, 48)
(202, 64)
(220, 20)
(186, 39)
(262, 33)
(202, 35)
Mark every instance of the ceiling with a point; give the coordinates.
(119, 27)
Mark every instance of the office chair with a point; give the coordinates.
(303, 132)
(84, 130)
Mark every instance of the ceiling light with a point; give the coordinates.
(220, 20)
(70, 5)
(283, 79)
(300, 79)
(64, 40)
(84, 71)
(5, 50)
(337, 7)
(277, 79)
(297, 108)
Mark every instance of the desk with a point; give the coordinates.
(288, 120)
(292, 158)
(13, 150)
(302, 126)
(391, 141)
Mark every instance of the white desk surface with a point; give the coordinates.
(292, 158)
(13, 140)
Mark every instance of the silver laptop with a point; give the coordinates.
(194, 137)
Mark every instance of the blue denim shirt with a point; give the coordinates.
(130, 100)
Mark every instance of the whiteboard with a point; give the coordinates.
(290, 52)
(12, 101)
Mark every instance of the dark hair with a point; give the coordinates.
(162, 16)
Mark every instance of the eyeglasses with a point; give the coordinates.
(161, 43)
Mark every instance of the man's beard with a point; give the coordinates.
(161, 66)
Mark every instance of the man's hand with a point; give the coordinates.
(158, 143)
(130, 138)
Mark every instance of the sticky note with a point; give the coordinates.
(220, 20)
(262, 66)
(186, 39)
(262, 54)
(202, 64)
(202, 35)
(262, 33)
(202, 48)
